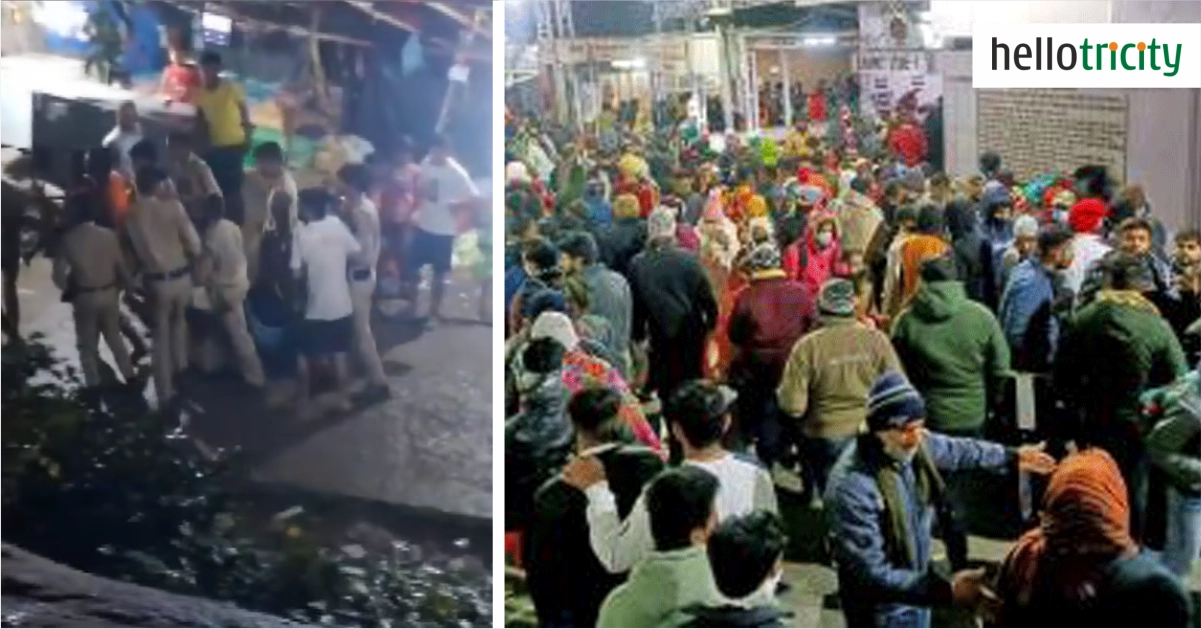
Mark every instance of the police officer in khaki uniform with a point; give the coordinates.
(227, 285)
(164, 244)
(265, 189)
(192, 177)
(90, 269)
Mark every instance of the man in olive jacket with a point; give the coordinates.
(953, 350)
(956, 356)
(1115, 348)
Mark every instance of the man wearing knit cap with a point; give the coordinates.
(674, 306)
(826, 380)
(1024, 246)
(881, 503)
(768, 317)
(1085, 219)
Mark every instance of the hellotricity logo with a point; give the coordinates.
(1087, 56)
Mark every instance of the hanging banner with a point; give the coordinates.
(894, 60)
(891, 61)
(882, 89)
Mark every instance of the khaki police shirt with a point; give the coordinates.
(194, 181)
(223, 245)
(90, 257)
(161, 235)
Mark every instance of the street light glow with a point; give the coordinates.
(822, 40)
(630, 64)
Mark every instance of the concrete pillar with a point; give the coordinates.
(784, 71)
(728, 91)
(753, 92)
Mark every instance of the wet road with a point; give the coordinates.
(429, 447)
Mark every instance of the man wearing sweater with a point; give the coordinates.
(699, 415)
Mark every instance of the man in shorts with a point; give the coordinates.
(324, 247)
(444, 191)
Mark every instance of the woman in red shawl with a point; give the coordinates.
(719, 250)
(1080, 567)
(817, 255)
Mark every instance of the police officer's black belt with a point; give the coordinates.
(170, 275)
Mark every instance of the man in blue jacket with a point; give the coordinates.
(881, 502)
(1033, 300)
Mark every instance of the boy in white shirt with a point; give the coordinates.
(323, 250)
(444, 188)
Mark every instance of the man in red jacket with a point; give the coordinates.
(768, 317)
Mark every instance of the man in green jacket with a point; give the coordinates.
(1174, 445)
(1115, 348)
(953, 350)
(677, 575)
(956, 356)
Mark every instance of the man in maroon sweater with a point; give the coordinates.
(769, 315)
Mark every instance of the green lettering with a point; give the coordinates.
(1124, 49)
(1167, 59)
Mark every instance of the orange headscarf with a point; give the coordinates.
(756, 207)
(1085, 524)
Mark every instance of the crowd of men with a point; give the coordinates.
(213, 256)
(688, 327)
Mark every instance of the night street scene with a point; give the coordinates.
(803, 330)
(247, 328)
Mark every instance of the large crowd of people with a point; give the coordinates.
(692, 323)
(233, 266)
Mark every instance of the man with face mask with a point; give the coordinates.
(1035, 300)
(881, 503)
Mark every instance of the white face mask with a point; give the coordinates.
(823, 239)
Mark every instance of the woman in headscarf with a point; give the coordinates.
(817, 255)
(720, 246)
(1080, 567)
(687, 237)
(583, 371)
(625, 237)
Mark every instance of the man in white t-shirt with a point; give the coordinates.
(444, 190)
(323, 251)
(357, 211)
(121, 139)
(699, 415)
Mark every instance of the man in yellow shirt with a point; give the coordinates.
(224, 120)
